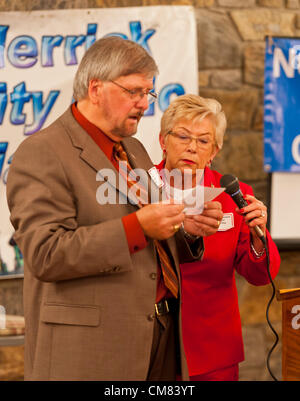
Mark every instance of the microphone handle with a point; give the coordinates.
(240, 201)
(259, 232)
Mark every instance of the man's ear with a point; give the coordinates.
(95, 86)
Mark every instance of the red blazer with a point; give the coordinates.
(211, 324)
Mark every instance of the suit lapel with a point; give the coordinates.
(91, 154)
(139, 159)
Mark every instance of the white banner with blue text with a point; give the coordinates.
(39, 55)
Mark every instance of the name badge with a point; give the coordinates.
(227, 222)
(155, 177)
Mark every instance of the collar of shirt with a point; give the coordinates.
(103, 141)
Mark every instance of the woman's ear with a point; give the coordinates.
(215, 152)
(95, 86)
(213, 155)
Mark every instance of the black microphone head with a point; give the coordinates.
(231, 184)
(232, 188)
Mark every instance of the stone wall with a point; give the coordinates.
(231, 60)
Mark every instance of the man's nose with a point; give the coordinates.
(143, 103)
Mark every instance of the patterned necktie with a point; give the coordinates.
(169, 275)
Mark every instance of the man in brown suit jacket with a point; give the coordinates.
(92, 282)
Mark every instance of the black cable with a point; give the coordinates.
(268, 307)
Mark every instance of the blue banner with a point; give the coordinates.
(282, 105)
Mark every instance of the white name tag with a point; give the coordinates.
(227, 222)
(155, 177)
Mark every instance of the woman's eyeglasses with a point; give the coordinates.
(186, 139)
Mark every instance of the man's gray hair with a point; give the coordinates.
(109, 58)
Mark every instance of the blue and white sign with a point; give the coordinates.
(282, 105)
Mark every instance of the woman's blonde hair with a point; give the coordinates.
(195, 108)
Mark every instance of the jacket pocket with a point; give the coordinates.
(79, 315)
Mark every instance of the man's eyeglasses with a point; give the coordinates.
(138, 94)
(185, 139)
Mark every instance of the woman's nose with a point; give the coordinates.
(192, 146)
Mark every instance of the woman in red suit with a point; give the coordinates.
(192, 131)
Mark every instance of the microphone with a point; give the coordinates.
(232, 188)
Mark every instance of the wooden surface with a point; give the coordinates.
(12, 355)
(12, 363)
(291, 293)
(11, 325)
(290, 334)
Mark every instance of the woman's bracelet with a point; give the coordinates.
(257, 254)
(189, 236)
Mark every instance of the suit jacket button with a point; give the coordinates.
(153, 276)
(151, 317)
